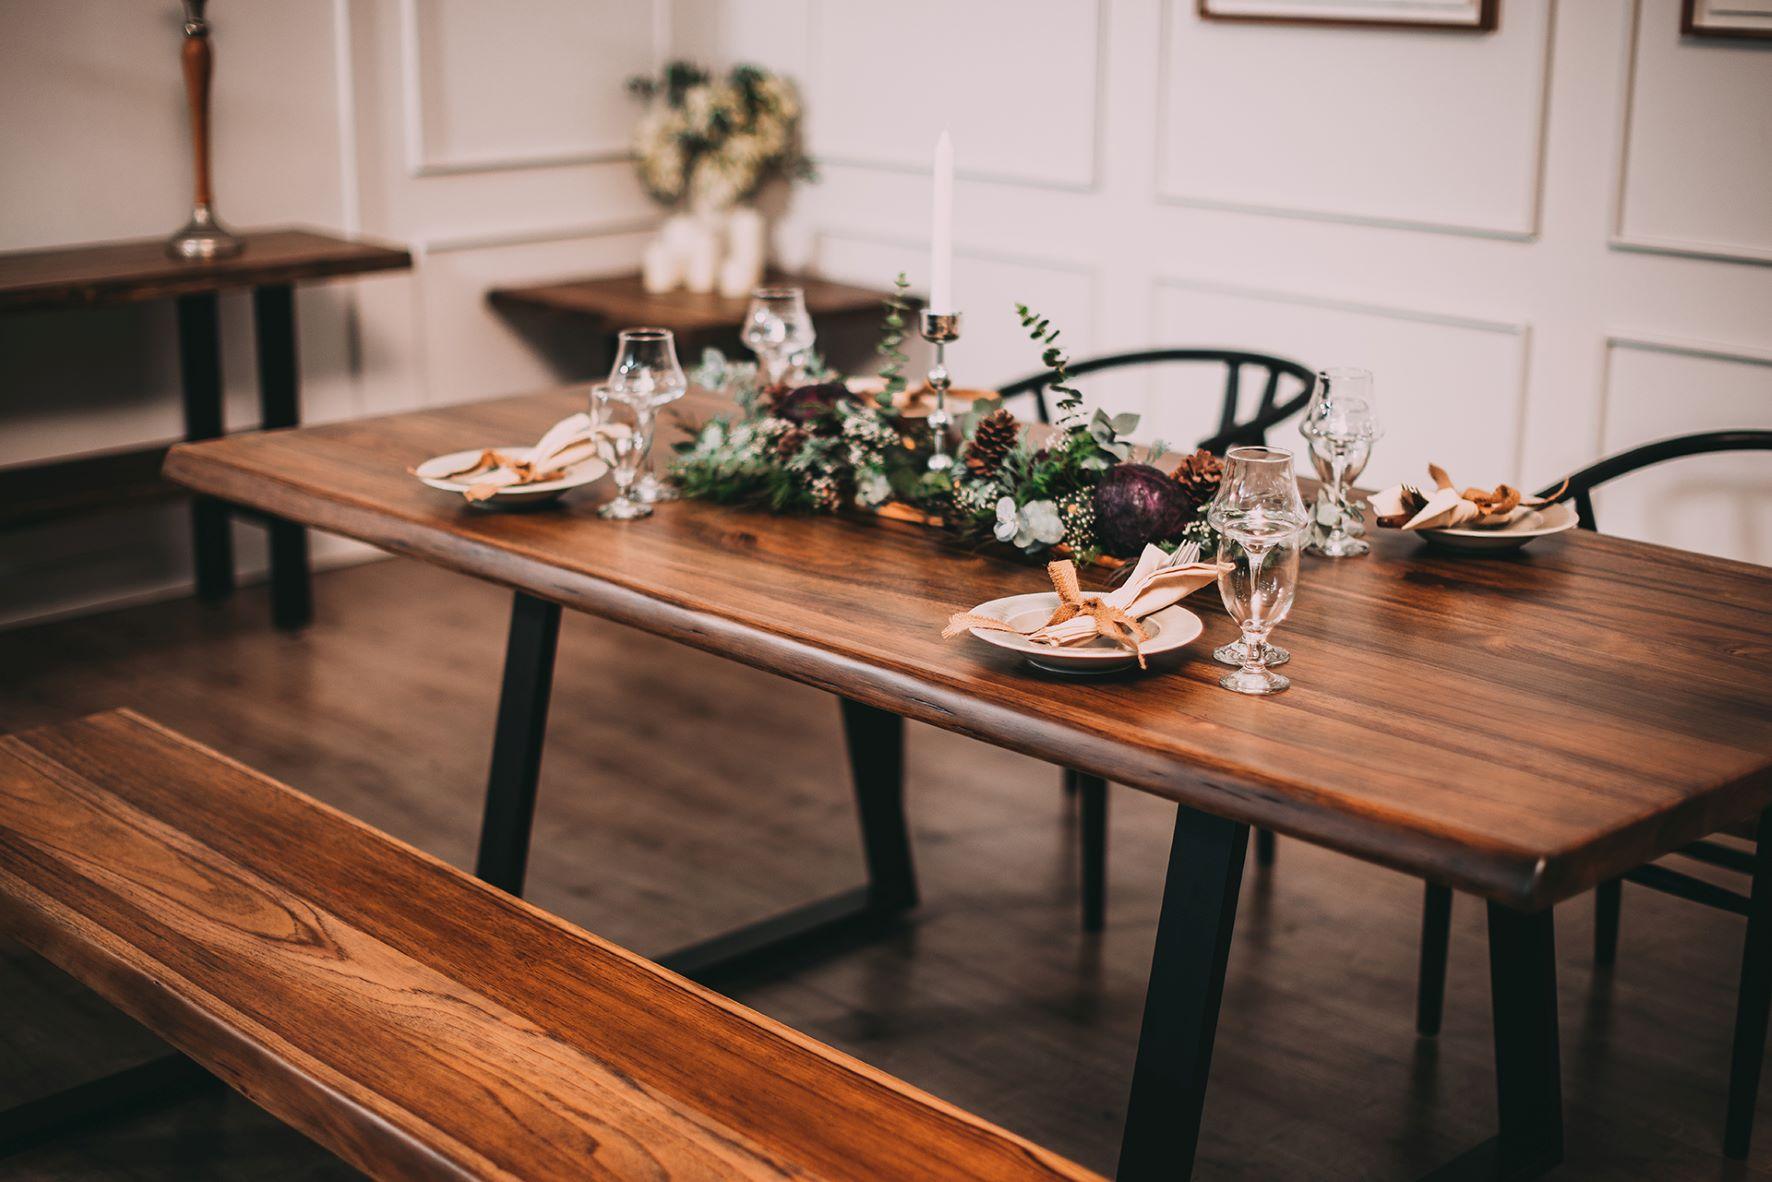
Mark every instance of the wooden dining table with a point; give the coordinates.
(1520, 727)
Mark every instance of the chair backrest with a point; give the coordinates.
(1231, 432)
(1582, 483)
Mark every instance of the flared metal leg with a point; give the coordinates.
(1092, 800)
(1181, 1002)
(517, 742)
(1436, 930)
(1752, 1001)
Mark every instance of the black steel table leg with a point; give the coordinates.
(1092, 798)
(875, 740)
(1528, 1071)
(1430, 981)
(1181, 1001)
(273, 314)
(81, 1108)
(1528, 1080)
(199, 358)
(517, 743)
(1752, 1002)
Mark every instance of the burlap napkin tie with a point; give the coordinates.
(1109, 620)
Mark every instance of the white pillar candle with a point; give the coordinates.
(941, 235)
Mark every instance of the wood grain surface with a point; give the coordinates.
(1519, 727)
(410, 1018)
(123, 272)
(619, 301)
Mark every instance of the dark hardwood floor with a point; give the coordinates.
(682, 794)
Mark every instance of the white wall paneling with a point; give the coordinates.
(1284, 120)
(1450, 387)
(881, 76)
(1657, 387)
(1695, 153)
(491, 87)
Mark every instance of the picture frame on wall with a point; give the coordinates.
(1476, 16)
(1726, 18)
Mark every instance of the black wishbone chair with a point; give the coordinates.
(1273, 407)
(1755, 992)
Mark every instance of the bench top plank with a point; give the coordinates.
(1519, 727)
(415, 1021)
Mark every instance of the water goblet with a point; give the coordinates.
(624, 439)
(646, 369)
(778, 330)
(1260, 519)
(1340, 426)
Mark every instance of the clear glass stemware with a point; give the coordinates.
(1341, 427)
(646, 371)
(1261, 521)
(778, 330)
(624, 440)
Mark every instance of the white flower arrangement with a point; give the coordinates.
(713, 143)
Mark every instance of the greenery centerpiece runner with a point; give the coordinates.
(825, 445)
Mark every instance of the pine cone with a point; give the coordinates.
(995, 435)
(1199, 475)
(790, 443)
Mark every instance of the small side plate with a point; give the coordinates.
(1170, 629)
(1540, 523)
(581, 473)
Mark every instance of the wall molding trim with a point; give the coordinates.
(419, 161)
(1097, 126)
(1529, 224)
(1522, 329)
(1667, 346)
(456, 243)
(1619, 238)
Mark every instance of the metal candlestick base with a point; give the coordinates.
(203, 238)
(939, 328)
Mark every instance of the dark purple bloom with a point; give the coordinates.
(1135, 504)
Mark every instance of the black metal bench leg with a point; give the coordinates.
(1181, 1002)
(199, 359)
(1751, 1003)
(1264, 848)
(273, 314)
(1093, 807)
(1070, 782)
(1528, 1072)
(1436, 930)
(1608, 901)
(875, 740)
(517, 743)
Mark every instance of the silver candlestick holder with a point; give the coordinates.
(939, 328)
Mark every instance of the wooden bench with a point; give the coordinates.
(411, 1019)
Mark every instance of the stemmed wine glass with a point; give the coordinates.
(1261, 520)
(778, 330)
(1341, 427)
(645, 377)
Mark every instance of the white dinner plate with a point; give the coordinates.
(584, 472)
(1538, 523)
(1170, 629)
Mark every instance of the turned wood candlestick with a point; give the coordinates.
(203, 236)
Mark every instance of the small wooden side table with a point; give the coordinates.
(613, 302)
(131, 272)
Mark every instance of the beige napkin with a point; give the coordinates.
(1404, 506)
(569, 442)
(1158, 581)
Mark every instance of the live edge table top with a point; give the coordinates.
(1519, 727)
(124, 272)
